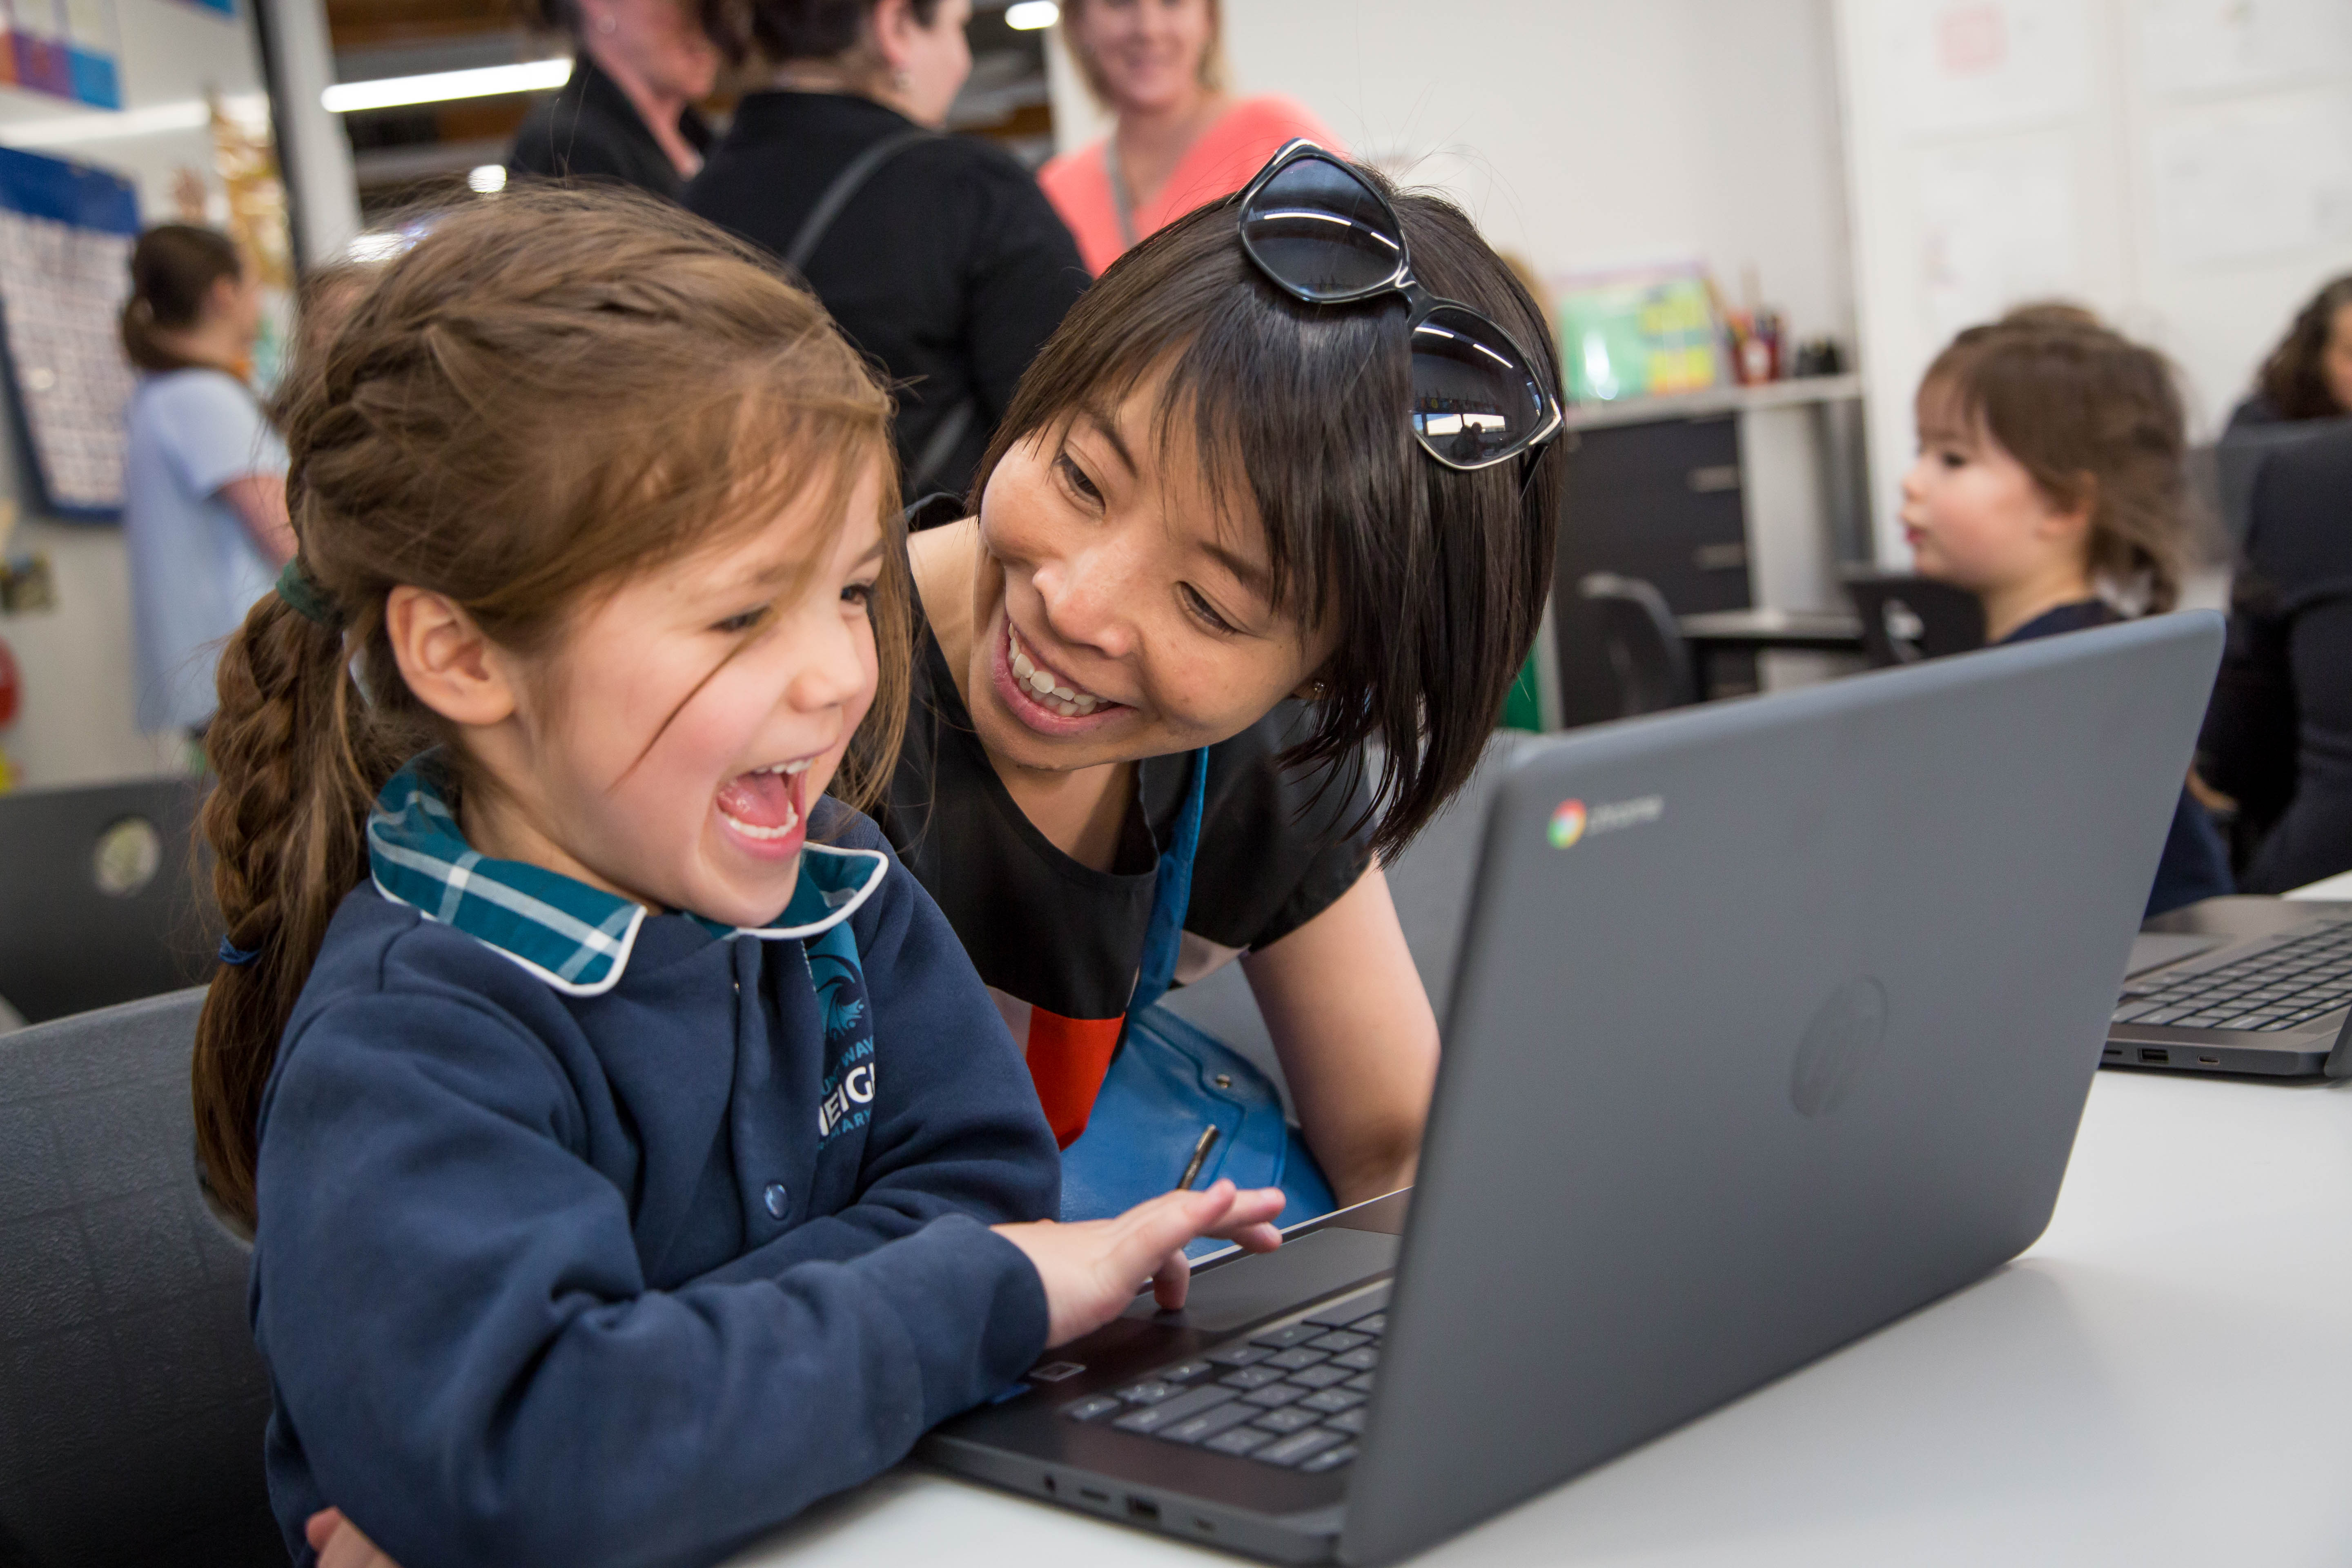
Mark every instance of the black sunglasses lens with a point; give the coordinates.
(1475, 400)
(1321, 232)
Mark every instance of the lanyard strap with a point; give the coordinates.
(1171, 894)
(1122, 203)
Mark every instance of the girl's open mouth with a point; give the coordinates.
(1044, 697)
(766, 810)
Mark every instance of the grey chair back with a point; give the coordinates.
(1647, 657)
(131, 1399)
(1905, 619)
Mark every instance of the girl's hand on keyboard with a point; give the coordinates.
(1091, 1269)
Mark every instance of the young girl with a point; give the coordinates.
(2049, 484)
(632, 1154)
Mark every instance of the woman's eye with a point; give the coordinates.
(744, 622)
(1075, 478)
(860, 594)
(1205, 612)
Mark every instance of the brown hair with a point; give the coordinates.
(1434, 579)
(553, 391)
(2095, 418)
(1213, 74)
(173, 270)
(823, 30)
(2291, 381)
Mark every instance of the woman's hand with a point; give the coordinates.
(340, 1544)
(1092, 1270)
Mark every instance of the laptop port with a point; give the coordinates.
(2112, 1054)
(1143, 1508)
(2209, 1061)
(2150, 1054)
(1093, 1496)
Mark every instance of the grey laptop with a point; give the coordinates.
(2239, 985)
(1773, 1022)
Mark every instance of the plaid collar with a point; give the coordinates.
(575, 937)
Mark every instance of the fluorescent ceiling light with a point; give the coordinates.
(1028, 16)
(441, 86)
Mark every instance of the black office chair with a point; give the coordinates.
(1646, 653)
(132, 1399)
(101, 903)
(1905, 619)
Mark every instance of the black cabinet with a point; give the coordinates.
(1659, 500)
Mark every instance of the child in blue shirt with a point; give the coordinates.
(632, 1154)
(2051, 484)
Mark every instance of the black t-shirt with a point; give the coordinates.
(949, 266)
(1059, 942)
(591, 131)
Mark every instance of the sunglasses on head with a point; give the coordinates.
(1325, 236)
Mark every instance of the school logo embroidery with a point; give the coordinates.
(1571, 822)
(846, 1098)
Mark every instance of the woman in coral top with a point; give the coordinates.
(1181, 138)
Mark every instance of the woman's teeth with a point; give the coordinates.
(1070, 704)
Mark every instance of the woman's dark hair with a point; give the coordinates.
(2291, 379)
(2094, 417)
(720, 20)
(1433, 581)
(173, 270)
(819, 29)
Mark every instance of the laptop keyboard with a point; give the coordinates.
(2276, 988)
(1293, 1395)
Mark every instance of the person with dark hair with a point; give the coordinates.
(1215, 556)
(2309, 375)
(203, 477)
(627, 114)
(2051, 483)
(2278, 737)
(937, 255)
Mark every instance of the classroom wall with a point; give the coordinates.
(1580, 132)
(2182, 167)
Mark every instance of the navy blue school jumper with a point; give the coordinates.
(591, 1236)
(2195, 863)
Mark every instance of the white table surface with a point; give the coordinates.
(2159, 1381)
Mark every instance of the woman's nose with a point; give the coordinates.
(1089, 597)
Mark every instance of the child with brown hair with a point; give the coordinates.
(2050, 483)
(632, 1154)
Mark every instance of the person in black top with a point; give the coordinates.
(627, 114)
(2309, 375)
(947, 265)
(2278, 737)
(2049, 477)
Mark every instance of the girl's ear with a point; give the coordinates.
(447, 661)
(2070, 515)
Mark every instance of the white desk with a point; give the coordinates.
(2160, 1380)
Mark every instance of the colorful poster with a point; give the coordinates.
(1640, 333)
(66, 233)
(68, 48)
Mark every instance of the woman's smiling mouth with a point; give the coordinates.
(1040, 697)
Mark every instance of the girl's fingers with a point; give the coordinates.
(1172, 1280)
(320, 1526)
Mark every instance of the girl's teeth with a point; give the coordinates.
(792, 820)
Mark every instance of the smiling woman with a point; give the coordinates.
(1211, 564)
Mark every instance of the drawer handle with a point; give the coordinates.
(1715, 479)
(1721, 557)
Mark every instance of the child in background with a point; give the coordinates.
(632, 1154)
(2049, 484)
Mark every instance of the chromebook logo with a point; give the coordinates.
(1571, 822)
